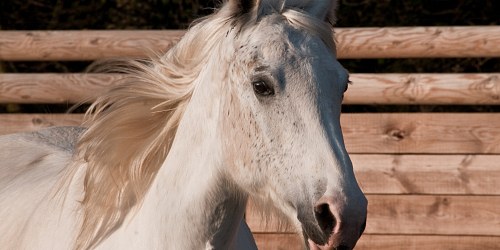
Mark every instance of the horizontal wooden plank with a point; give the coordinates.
(423, 133)
(271, 241)
(402, 42)
(440, 89)
(419, 42)
(15, 123)
(52, 88)
(427, 174)
(435, 89)
(419, 242)
(84, 45)
(420, 214)
(444, 215)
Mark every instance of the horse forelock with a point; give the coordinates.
(132, 125)
(294, 11)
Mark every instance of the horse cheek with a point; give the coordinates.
(240, 145)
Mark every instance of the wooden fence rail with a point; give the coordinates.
(377, 133)
(437, 89)
(431, 178)
(403, 42)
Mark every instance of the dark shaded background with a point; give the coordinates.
(175, 14)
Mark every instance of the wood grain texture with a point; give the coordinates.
(419, 215)
(424, 133)
(86, 45)
(430, 215)
(427, 174)
(420, 242)
(271, 241)
(278, 241)
(52, 88)
(416, 42)
(15, 123)
(401, 133)
(435, 89)
(419, 42)
(439, 89)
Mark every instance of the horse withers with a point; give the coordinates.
(245, 106)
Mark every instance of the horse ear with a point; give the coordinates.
(331, 15)
(241, 7)
(324, 10)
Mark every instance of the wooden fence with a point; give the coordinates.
(432, 179)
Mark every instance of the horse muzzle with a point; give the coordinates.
(341, 223)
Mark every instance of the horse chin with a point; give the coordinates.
(310, 245)
(315, 234)
(315, 238)
(312, 231)
(329, 245)
(314, 227)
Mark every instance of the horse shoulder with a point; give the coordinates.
(30, 164)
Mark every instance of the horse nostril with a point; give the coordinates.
(325, 218)
(362, 228)
(343, 248)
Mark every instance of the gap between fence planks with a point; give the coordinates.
(358, 43)
(369, 133)
(418, 215)
(277, 241)
(437, 89)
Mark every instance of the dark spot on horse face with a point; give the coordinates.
(261, 69)
(36, 161)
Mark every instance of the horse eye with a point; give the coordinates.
(347, 85)
(261, 88)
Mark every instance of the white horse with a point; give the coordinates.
(246, 105)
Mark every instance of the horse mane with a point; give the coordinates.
(132, 125)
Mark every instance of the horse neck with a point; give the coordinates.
(191, 203)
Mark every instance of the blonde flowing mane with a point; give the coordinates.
(132, 125)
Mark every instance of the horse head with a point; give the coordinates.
(282, 138)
